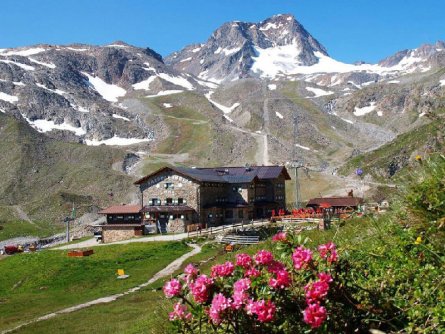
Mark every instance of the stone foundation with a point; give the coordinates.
(117, 233)
(176, 226)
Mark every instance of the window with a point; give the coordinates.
(180, 201)
(169, 201)
(155, 201)
(168, 185)
(229, 214)
(240, 214)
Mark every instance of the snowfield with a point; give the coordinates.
(8, 98)
(116, 141)
(224, 109)
(365, 110)
(42, 125)
(107, 91)
(318, 92)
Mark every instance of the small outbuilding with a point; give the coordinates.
(338, 204)
(123, 222)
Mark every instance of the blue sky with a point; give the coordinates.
(350, 29)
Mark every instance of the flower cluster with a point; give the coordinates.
(263, 309)
(256, 289)
(301, 257)
(172, 288)
(219, 305)
(200, 288)
(263, 257)
(316, 292)
(179, 312)
(328, 252)
(280, 236)
(243, 260)
(223, 270)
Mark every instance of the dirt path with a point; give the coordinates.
(262, 153)
(167, 271)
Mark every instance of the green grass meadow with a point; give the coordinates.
(34, 284)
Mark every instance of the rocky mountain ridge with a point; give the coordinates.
(112, 94)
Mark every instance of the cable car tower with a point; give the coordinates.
(297, 163)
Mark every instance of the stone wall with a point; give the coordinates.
(117, 233)
(182, 187)
(177, 226)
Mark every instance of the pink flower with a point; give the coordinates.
(265, 310)
(301, 257)
(241, 285)
(190, 269)
(179, 313)
(316, 291)
(239, 299)
(200, 288)
(223, 270)
(328, 252)
(280, 236)
(219, 305)
(172, 288)
(191, 272)
(243, 260)
(325, 277)
(263, 257)
(314, 315)
(252, 272)
(281, 281)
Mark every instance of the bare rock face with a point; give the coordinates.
(77, 88)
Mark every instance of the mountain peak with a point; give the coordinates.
(233, 49)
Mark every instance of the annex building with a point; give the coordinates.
(173, 199)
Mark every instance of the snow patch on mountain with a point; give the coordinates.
(108, 91)
(272, 86)
(145, 84)
(121, 117)
(178, 81)
(364, 110)
(318, 92)
(43, 125)
(49, 65)
(24, 53)
(117, 141)
(442, 83)
(279, 115)
(224, 109)
(23, 66)
(166, 92)
(8, 98)
(57, 91)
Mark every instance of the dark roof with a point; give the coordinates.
(226, 174)
(336, 201)
(167, 208)
(121, 209)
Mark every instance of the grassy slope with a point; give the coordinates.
(45, 176)
(46, 281)
(143, 312)
(377, 162)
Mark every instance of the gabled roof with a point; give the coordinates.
(121, 209)
(225, 174)
(336, 201)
